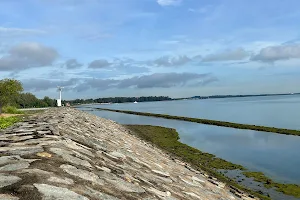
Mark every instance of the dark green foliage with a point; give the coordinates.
(28, 100)
(49, 102)
(9, 89)
(10, 95)
(212, 122)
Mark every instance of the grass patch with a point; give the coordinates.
(11, 110)
(167, 139)
(289, 189)
(212, 122)
(11, 117)
(8, 121)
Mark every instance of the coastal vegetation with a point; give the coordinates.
(289, 189)
(9, 89)
(11, 110)
(167, 139)
(11, 98)
(8, 121)
(212, 122)
(28, 100)
(11, 95)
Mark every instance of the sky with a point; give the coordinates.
(176, 48)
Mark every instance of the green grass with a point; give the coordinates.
(213, 122)
(8, 121)
(167, 139)
(289, 189)
(11, 110)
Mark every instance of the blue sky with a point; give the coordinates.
(101, 48)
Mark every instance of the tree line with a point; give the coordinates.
(118, 100)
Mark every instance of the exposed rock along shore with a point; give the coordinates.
(68, 154)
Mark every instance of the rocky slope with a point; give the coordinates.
(67, 154)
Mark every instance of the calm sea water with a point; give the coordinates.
(277, 111)
(274, 154)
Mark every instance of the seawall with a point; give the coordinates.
(64, 153)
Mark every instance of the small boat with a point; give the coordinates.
(135, 102)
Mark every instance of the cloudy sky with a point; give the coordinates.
(100, 48)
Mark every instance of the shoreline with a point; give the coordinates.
(157, 135)
(288, 188)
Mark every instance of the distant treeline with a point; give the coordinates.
(118, 100)
(236, 96)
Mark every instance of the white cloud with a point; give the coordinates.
(101, 63)
(96, 36)
(169, 42)
(168, 61)
(156, 80)
(28, 55)
(34, 84)
(72, 64)
(276, 53)
(202, 10)
(169, 2)
(14, 32)
(236, 54)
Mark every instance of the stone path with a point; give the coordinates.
(72, 155)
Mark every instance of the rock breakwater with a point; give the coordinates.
(67, 154)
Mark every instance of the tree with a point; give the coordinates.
(26, 100)
(29, 100)
(9, 90)
(49, 102)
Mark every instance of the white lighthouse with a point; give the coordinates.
(59, 100)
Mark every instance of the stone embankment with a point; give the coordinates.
(72, 155)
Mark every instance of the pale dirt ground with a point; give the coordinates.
(8, 115)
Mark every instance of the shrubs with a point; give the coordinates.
(8, 121)
(11, 110)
